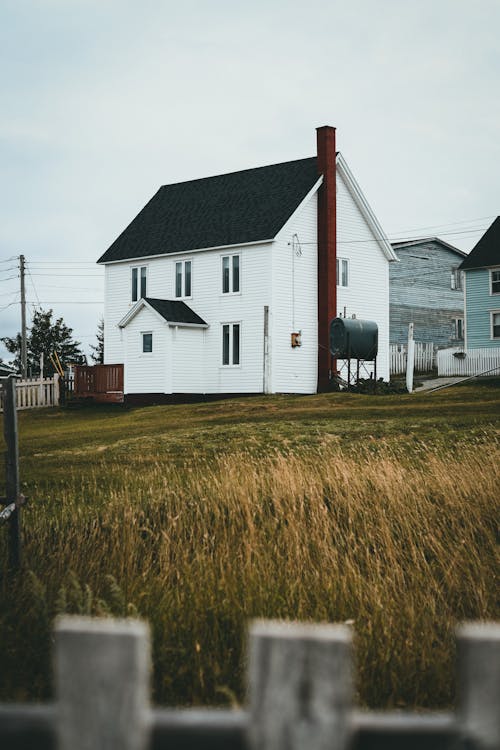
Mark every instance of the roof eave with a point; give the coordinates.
(221, 248)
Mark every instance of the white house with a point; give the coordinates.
(228, 284)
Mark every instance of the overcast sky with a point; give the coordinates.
(102, 101)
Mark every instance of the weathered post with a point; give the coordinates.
(479, 684)
(102, 672)
(300, 686)
(12, 471)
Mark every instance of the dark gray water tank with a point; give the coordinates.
(353, 338)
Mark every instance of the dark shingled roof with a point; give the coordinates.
(487, 251)
(228, 209)
(175, 311)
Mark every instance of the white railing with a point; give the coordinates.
(424, 357)
(457, 362)
(35, 393)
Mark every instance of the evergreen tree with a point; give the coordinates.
(45, 337)
(98, 350)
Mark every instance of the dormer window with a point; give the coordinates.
(139, 284)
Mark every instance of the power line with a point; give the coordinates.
(450, 224)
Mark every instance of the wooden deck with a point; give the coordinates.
(102, 383)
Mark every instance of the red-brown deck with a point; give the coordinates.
(102, 383)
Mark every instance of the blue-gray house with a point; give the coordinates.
(482, 291)
(425, 289)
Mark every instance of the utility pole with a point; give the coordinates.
(24, 358)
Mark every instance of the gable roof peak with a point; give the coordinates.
(486, 252)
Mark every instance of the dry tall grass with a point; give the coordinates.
(403, 547)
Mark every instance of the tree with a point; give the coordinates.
(45, 337)
(98, 350)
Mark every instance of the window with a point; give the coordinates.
(456, 279)
(342, 272)
(230, 344)
(230, 274)
(495, 324)
(183, 276)
(139, 286)
(458, 328)
(495, 282)
(147, 343)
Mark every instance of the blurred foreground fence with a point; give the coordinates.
(299, 697)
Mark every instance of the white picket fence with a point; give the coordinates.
(424, 357)
(457, 362)
(35, 393)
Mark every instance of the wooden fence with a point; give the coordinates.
(457, 362)
(35, 393)
(103, 383)
(425, 359)
(300, 697)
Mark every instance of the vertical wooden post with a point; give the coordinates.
(12, 470)
(102, 684)
(479, 684)
(300, 686)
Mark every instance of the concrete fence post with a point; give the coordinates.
(102, 670)
(479, 684)
(300, 686)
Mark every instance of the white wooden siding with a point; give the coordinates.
(207, 300)
(367, 294)
(146, 373)
(188, 348)
(295, 303)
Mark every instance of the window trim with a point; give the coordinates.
(492, 315)
(183, 294)
(144, 353)
(492, 271)
(131, 287)
(230, 365)
(339, 271)
(230, 293)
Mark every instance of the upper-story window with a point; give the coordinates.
(230, 274)
(183, 278)
(495, 282)
(456, 279)
(342, 272)
(139, 282)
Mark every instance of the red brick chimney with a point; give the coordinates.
(327, 250)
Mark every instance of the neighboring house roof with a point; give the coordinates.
(487, 251)
(6, 370)
(174, 312)
(229, 209)
(424, 241)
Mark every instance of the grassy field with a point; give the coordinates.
(381, 510)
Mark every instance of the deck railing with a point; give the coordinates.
(100, 382)
(300, 697)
